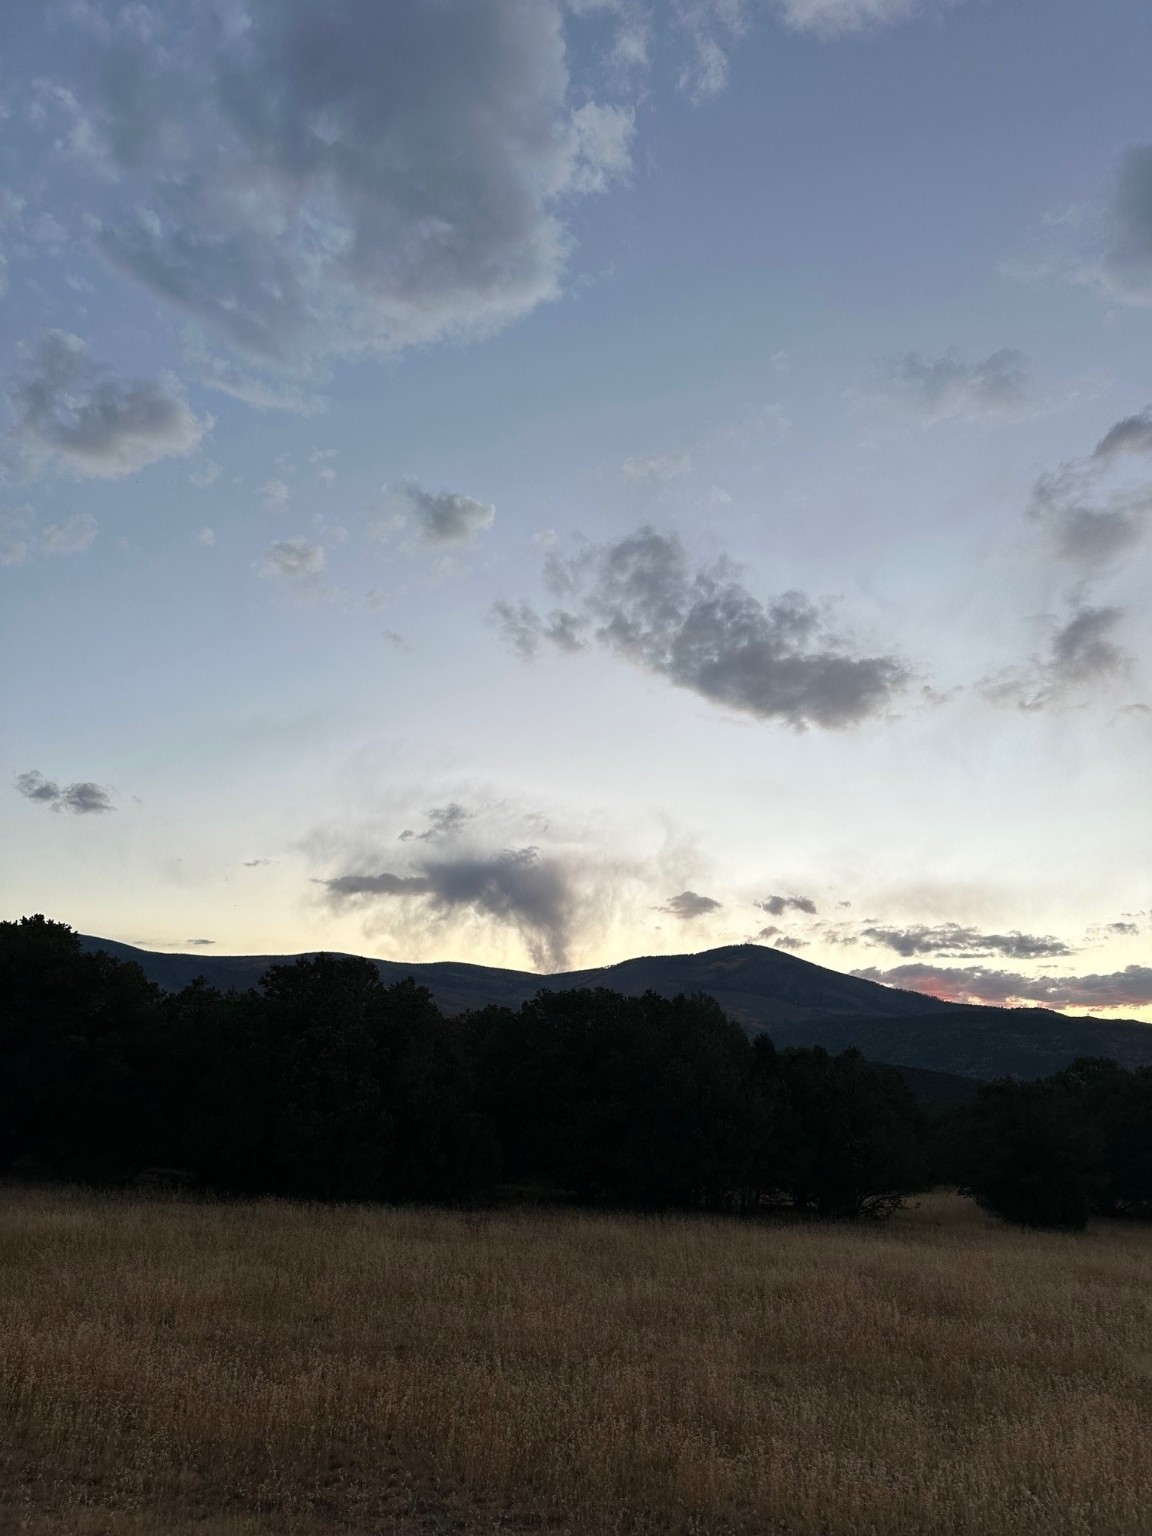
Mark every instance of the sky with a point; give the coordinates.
(537, 482)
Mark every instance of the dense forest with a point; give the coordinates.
(326, 1084)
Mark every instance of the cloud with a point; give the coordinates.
(207, 537)
(947, 388)
(710, 28)
(255, 863)
(199, 943)
(13, 548)
(657, 468)
(954, 939)
(518, 886)
(81, 799)
(293, 559)
(1132, 435)
(1129, 988)
(444, 821)
(207, 476)
(1082, 658)
(1081, 650)
(1088, 524)
(311, 180)
(689, 905)
(703, 630)
(72, 410)
(1126, 270)
(70, 537)
(274, 494)
(524, 629)
(832, 18)
(776, 906)
(441, 517)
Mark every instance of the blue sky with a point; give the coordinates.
(539, 483)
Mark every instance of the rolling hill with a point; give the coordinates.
(795, 1001)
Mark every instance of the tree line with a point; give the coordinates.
(326, 1084)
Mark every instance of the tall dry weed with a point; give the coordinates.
(232, 1369)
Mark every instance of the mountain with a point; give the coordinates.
(795, 1001)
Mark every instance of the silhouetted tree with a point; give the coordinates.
(848, 1138)
(639, 1101)
(71, 1032)
(324, 1083)
(1024, 1152)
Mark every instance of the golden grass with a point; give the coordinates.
(226, 1370)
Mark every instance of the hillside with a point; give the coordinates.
(795, 1001)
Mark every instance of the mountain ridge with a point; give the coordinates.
(795, 1001)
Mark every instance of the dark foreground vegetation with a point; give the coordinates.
(326, 1084)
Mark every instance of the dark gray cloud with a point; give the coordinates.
(1088, 524)
(779, 939)
(776, 906)
(1127, 266)
(1129, 988)
(83, 798)
(955, 939)
(530, 892)
(1082, 657)
(703, 630)
(944, 388)
(688, 905)
(200, 943)
(405, 168)
(442, 517)
(256, 863)
(444, 821)
(525, 630)
(1132, 435)
(1081, 649)
(72, 410)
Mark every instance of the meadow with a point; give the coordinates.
(226, 1369)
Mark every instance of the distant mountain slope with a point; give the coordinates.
(742, 977)
(798, 1003)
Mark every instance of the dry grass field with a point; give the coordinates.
(226, 1370)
